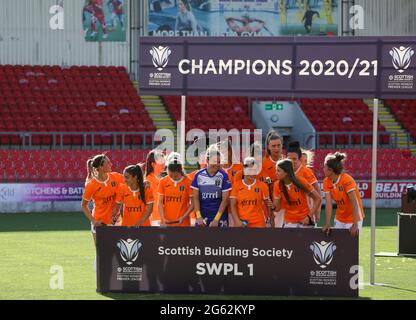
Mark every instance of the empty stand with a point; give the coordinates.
(58, 165)
(391, 163)
(212, 112)
(75, 99)
(70, 165)
(342, 115)
(405, 112)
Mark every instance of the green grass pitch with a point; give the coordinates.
(31, 243)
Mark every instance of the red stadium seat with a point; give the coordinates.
(51, 93)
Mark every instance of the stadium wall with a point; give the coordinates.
(388, 18)
(26, 37)
(46, 206)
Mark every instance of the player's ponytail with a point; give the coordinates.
(335, 161)
(93, 164)
(140, 181)
(152, 157)
(287, 166)
(89, 170)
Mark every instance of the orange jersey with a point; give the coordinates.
(298, 207)
(269, 168)
(191, 177)
(103, 195)
(233, 170)
(250, 200)
(261, 177)
(176, 198)
(154, 186)
(339, 193)
(134, 207)
(307, 174)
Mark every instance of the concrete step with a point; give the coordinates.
(166, 125)
(149, 97)
(163, 126)
(160, 114)
(152, 102)
(162, 119)
(153, 106)
(157, 110)
(163, 123)
(389, 121)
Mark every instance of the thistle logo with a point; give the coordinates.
(401, 57)
(323, 253)
(129, 250)
(160, 56)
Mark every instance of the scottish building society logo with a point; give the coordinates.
(129, 250)
(401, 57)
(160, 56)
(323, 253)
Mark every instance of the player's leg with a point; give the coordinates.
(94, 234)
(94, 237)
(230, 220)
(93, 25)
(121, 19)
(101, 19)
(279, 218)
(104, 27)
(114, 19)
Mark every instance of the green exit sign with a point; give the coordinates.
(274, 106)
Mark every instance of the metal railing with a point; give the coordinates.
(120, 140)
(84, 140)
(392, 139)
